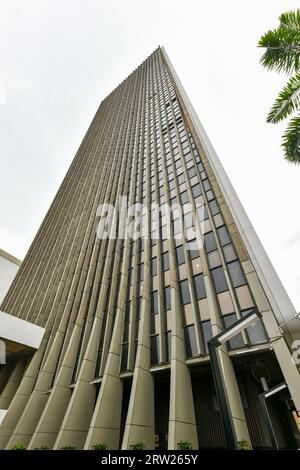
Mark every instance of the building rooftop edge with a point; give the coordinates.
(117, 86)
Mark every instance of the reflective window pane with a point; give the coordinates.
(210, 242)
(199, 287)
(165, 261)
(229, 253)
(237, 341)
(180, 254)
(223, 235)
(168, 346)
(207, 333)
(154, 349)
(124, 357)
(190, 341)
(154, 302)
(154, 266)
(219, 280)
(236, 274)
(167, 297)
(185, 293)
(256, 332)
(214, 259)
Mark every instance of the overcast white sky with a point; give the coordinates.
(60, 58)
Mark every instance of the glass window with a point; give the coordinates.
(214, 259)
(154, 324)
(154, 349)
(127, 311)
(214, 207)
(154, 266)
(237, 341)
(167, 297)
(164, 232)
(130, 277)
(210, 242)
(188, 220)
(199, 287)
(140, 272)
(192, 172)
(138, 307)
(184, 197)
(223, 236)
(196, 190)
(190, 341)
(229, 253)
(194, 253)
(181, 179)
(165, 261)
(256, 331)
(202, 213)
(154, 302)
(172, 185)
(185, 293)
(124, 357)
(176, 226)
(236, 274)
(180, 254)
(219, 280)
(168, 345)
(206, 185)
(207, 333)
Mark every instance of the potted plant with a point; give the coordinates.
(184, 445)
(19, 446)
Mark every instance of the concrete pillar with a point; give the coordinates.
(140, 424)
(182, 422)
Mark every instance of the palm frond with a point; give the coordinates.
(288, 100)
(282, 50)
(290, 19)
(291, 141)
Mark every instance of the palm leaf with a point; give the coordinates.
(291, 20)
(291, 141)
(288, 100)
(282, 50)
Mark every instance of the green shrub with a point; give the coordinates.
(100, 446)
(244, 445)
(138, 446)
(41, 448)
(68, 448)
(184, 445)
(19, 446)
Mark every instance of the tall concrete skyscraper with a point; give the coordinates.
(107, 333)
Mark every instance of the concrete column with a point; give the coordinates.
(13, 383)
(105, 424)
(21, 397)
(140, 424)
(182, 422)
(49, 424)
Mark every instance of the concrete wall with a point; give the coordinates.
(9, 266)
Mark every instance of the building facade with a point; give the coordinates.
(124, 322)
(9, 266)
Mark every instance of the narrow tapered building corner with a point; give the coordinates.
(105, 334)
